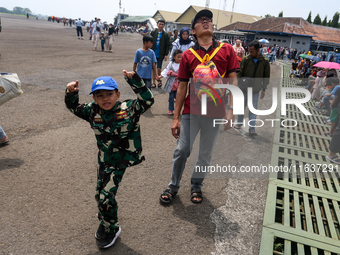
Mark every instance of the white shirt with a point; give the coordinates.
(182, 47)
(94, 26)
(79, 23)
(175, 66)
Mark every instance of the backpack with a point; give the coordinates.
(206, 75)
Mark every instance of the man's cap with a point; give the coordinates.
(104, 82)
(203, 13)
(102, 32)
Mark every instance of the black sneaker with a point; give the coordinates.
(100, 232)
(108, 239)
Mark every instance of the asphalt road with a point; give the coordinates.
(48, 171)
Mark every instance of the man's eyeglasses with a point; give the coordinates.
(201, 20)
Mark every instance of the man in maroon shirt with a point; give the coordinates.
(192, 121)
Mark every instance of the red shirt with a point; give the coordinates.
(225, 61)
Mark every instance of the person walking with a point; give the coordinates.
(79, 25)
(257, 67)
(182, 43)
(171, 74)
(193, 122)
(161, 47)
(96, 29)
(110, 38)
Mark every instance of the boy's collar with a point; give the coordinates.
(214, 44)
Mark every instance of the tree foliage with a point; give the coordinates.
(268, 16)
(309, 19)
(335, 20)
(16, 10)
(324, 22)
(21, 11)
(317, 20)
(4, 10)
(281, 14)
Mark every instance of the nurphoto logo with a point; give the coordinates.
(238, 103)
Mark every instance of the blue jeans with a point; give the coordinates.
(2, 133)
(252, 116)
(190, 126)
(159, 62)
(80, 31)
(325, 101)
(172, 96)
(147, 83)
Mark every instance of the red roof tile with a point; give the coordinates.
(291, 26)
(236, 26)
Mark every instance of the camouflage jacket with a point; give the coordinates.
(117, 130)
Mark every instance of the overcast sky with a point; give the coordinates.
(107, 9)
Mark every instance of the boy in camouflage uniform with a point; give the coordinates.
(117, 130)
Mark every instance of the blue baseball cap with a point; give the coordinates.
(104, 82)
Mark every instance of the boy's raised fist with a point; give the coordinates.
(73, 86)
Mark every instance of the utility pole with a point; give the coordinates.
(207, 3)
(232, 13)
(225, 5)
(120, 11)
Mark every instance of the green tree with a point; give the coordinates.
(309, 19)
(4, 10)
(268, 16)
(317, 20)
(26, 10)
(324, 22)
(281, 14)
(18, 10)
(21, 11)
(329, 23)
(335, 20)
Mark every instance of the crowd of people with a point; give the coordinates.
(116, 124)
(189, 56)
(324, 86)
(102, 32)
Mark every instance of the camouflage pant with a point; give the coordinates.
(107, 186)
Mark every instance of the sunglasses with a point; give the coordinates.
(201, 20)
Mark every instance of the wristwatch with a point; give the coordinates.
(231, 107)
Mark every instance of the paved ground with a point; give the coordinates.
(48, 172)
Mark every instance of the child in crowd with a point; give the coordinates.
(171, 72)
(146, 59)
(117, 130)
(102, 40)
